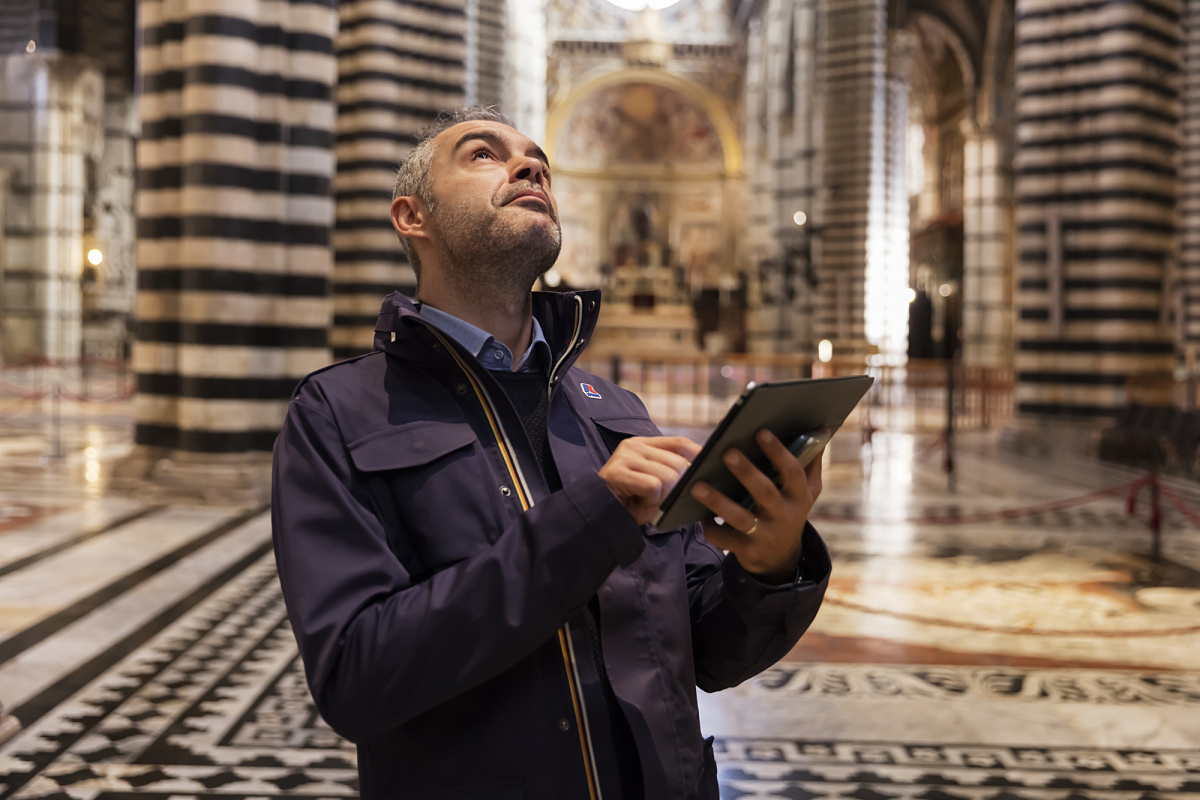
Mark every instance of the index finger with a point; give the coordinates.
(680, 445)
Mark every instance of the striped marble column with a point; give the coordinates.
(853, 58)
(1098, 116)
(51, 111)
(400, 62)
(885, 307)
(1188, 308)
(235, 169)
(782, 172)
(987, 226)
(485, 41)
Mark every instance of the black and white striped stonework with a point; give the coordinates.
(235, 207)
(1188, 297)
(781, 174)
(987, 248)
(852, 64)
(1098, 116)
(400, 62)
(485, 52)
(51, 107)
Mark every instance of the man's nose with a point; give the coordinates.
(529, 169)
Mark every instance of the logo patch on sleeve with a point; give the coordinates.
(590, 391)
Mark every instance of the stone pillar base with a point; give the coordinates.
(9, 726)
(224, 479)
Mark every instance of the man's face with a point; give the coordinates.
(492, 203)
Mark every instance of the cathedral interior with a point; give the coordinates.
(991, 206)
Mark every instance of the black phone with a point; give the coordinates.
(805, 448)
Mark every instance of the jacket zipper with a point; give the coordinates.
(570, 348)
(508, 452)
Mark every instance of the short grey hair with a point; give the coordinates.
(414, 178)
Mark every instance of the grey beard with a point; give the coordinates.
(495, 264)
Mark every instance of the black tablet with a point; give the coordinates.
(788, 409)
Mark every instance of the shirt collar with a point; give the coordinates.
(492, 354)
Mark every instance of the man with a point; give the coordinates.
(461, 524)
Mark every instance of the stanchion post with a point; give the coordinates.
(56, 449)
(948, 456)
(615, 369)
(1155, 519)
(985, 390)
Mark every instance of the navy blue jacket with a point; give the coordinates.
(434, 582)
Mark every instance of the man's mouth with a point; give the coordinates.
(530, 193)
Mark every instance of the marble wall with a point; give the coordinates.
(987, 248)
(51, 129)
(783, 136)
(1187, 289)
(58, 57)
(110, 223)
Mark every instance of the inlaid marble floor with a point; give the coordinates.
(992, 643)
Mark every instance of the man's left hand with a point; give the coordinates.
(766, 541)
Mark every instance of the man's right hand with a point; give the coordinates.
(643, 469)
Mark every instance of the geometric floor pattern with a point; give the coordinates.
(215, 705)
(146, 652)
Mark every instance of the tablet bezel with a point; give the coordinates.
(786, 408)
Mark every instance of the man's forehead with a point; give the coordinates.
(447, 141)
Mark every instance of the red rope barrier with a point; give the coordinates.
(66, 393)
(79, 398)
(36, 363)
(19, 391)
(10, 410)
(938, 442)
(1179, 505)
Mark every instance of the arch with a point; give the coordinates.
(999, 43)
(958, 46)
(717, 114)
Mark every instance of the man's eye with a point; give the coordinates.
(483, 153)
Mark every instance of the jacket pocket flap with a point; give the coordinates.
(628, 426)
(409, 445)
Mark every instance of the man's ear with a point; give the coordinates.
(410, 218)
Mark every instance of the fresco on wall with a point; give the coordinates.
(638, 124)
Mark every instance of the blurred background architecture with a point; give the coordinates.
(199, 189)
(993, 206)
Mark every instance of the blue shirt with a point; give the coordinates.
(492, 354)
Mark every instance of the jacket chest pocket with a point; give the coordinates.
(613, 430)
(428, 483)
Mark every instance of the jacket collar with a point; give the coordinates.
(400, 327)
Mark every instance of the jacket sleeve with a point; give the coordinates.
(379, 649)
(741, 626)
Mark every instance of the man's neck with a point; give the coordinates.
(512, 325)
